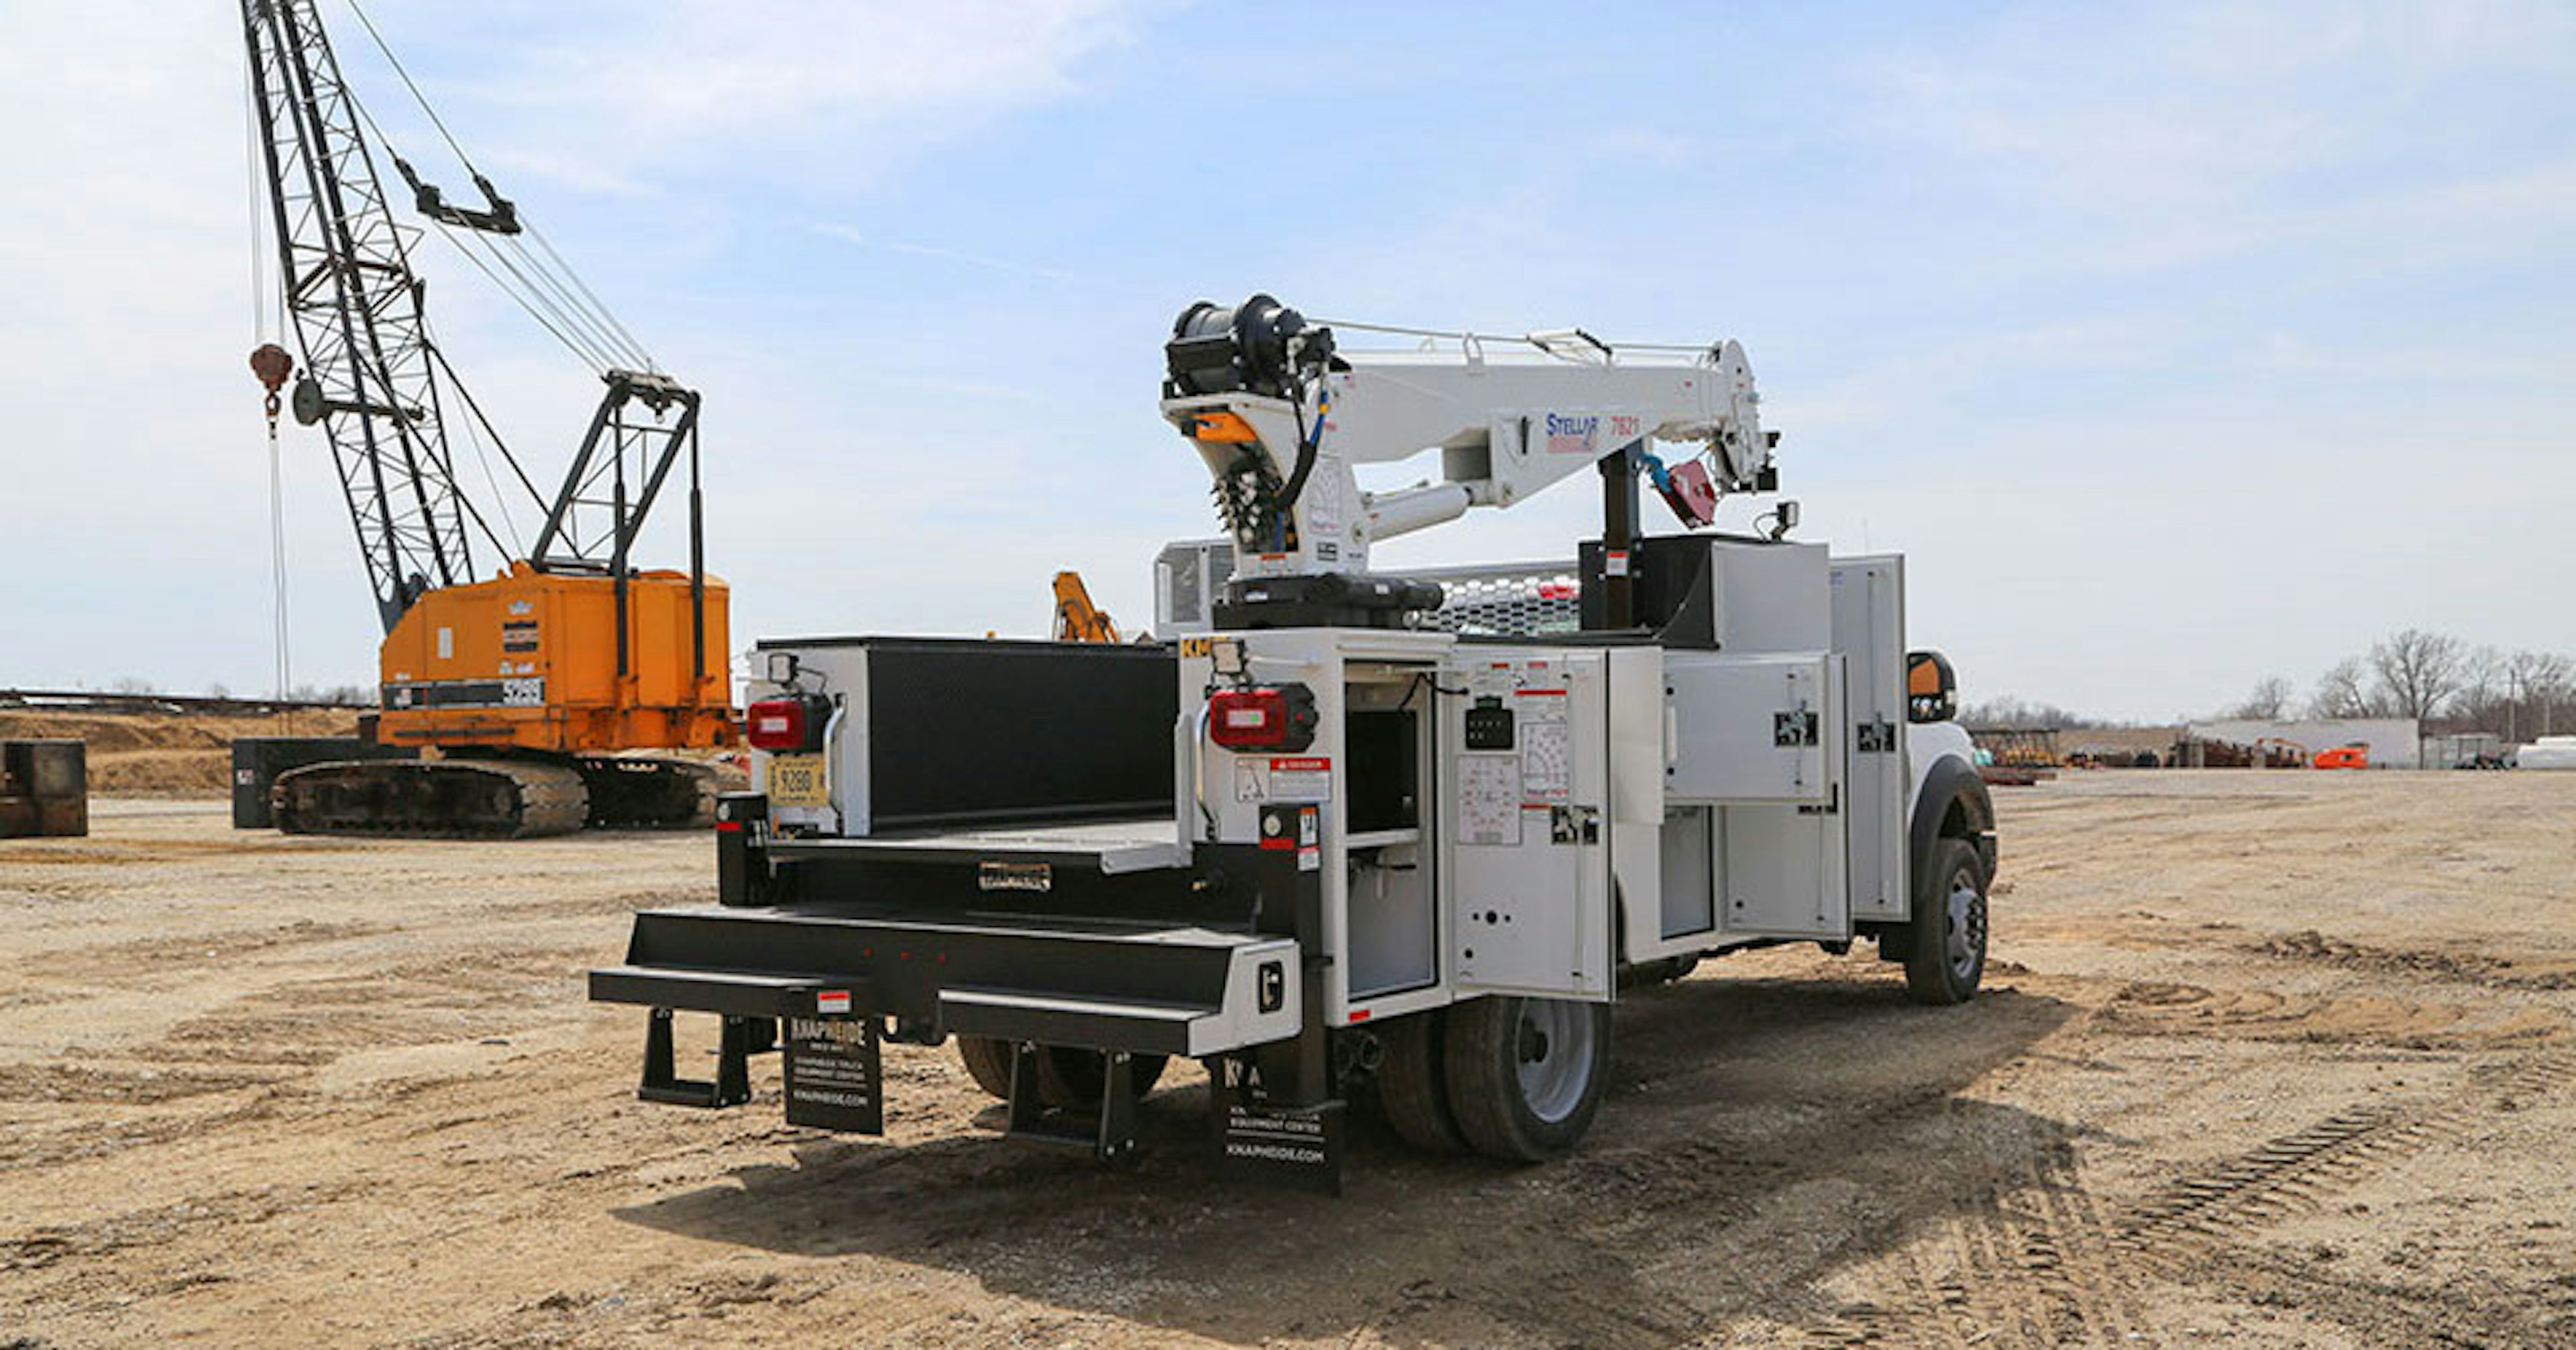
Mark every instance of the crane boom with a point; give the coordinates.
(1282, 417)
(371, 376)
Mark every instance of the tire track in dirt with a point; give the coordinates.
(2041, 1263)
(2296, 1171)
(1690, 1193)
(2030, 1265)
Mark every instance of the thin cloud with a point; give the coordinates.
(960, 256)
(799, 92)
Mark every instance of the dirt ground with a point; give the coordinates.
(2274, 1059)
(166, 754)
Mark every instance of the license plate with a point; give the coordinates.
(798, 780)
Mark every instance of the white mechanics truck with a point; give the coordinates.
(1352, 837)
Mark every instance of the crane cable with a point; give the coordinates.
(603, 325)
(280, 650)
(538, 307)
(604, 312)
(548, 290)
(606, 337)
(573, 331)
(430, 344)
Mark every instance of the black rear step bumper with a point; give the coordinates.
(726, 992)
(818, 949)
(1141, 989)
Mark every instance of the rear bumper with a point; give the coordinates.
(1169, 990)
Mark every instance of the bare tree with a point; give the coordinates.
(2542, 679)
(2007, 710)
(2341, 692)
(2417, 672)
(2269, 701)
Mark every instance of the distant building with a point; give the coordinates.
(2393, 742)
(2475, 749)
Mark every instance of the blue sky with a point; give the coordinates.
(2177, 346)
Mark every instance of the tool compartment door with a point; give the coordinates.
(1749, 729)
(1525, 753)
(1783, 866)
(1869, 632)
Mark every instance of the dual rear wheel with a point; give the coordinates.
(1517, 1079)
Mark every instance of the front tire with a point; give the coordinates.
(1525, 1075)
(1945, 958)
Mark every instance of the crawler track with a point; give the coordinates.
(476, 798)
(432, 799)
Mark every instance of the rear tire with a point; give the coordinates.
(1945, 957)
(988, 1062)
(1525, 1075)
(1411, 1090)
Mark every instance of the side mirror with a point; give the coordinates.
(1931, 688)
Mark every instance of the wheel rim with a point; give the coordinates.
(1554, 1050)
(1967, 925)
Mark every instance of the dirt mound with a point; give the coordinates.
(2472, 967)
(165, 754)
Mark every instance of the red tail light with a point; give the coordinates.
(1271, 717)
(785, 724)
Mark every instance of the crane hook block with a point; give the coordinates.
(272, 365)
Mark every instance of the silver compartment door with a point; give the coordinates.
(1748, 729)
(1869, 632)
(1782, 865)
(1527, 830)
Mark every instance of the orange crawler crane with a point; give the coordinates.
(522, 688)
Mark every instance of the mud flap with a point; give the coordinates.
(833, 1074)
(1297, 1147)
